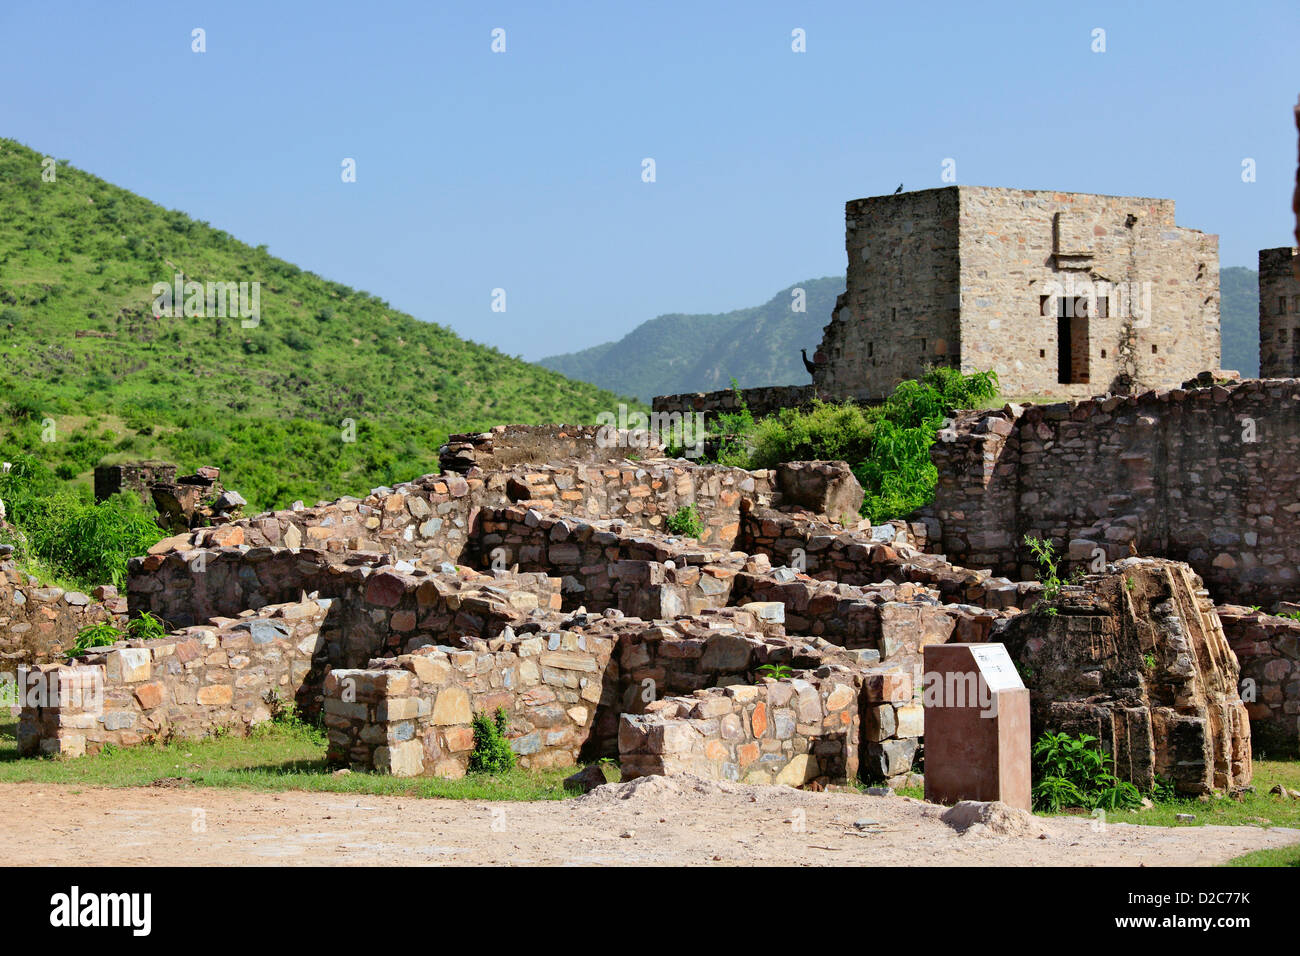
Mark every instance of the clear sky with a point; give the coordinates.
(522, 170)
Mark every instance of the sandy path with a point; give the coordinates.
(674, 825)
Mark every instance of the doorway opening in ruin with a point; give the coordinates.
(1072, 341)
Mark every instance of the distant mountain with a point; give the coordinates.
(760, 346)
(1239, 319)
(701, 353)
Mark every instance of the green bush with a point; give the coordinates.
(888, 445)
(80, 541)
(827, 432)
(686, 522)
(103, 634)
(492, 753)
(1071, 772)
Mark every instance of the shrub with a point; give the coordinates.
(492, 753)
(1070, 772)
(827, 431)
(888, 445)
(103, 634)
(86, 542)
(686, 522)
(146, 627)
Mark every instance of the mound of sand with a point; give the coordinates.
(975, 818)
(658, 789)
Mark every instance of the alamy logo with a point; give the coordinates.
(216, 300)
(1085, 297)
(682, 433)
(959, 690)
(73, 909)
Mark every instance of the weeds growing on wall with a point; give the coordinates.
(492, 753)
(888, 445)
(686, 522)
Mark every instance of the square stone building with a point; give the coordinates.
(1066, 295)
(1279, 314)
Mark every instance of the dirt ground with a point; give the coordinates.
(653, 821)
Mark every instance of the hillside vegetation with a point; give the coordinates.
(265, 404)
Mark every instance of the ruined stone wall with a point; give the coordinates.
(376, 609)
(1207, 476)
(38, 624)
(857, 558)
(415, 716)
(606, 564)
(135, 477)
(761, 402)
(506, 445)
(640, 494)
(1136, 657)
(1020, 245)
(1279, 314)
(431, 520)
(1268, 649)
(790, 731)
(900, 310)
(227, 675)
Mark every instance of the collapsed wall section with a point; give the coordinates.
(1137, 658)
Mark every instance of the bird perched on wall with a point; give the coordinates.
(899, 189)
(812, 369)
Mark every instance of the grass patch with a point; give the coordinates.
(277, 757)
(1281, 856)
(1258, 809)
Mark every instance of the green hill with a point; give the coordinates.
(701, 353)
(265, 404)
(1239, 319)
(760, 346)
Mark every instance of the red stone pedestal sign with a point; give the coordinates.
(976, 726)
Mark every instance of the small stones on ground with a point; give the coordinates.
(865, 823)
(880, 791)
(1185, 817)
(627, 834)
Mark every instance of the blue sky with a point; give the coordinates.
(522, 170)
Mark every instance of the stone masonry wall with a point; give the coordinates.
(1279, 314)
(1207, 476)
(960, 276)
(1268, 649)
(414, 716)
(606, 564)
(225, 675)
(1019, 245)
(504, 446)
(900, 310)
(761, 402)
(38, 624)
(432, 519)
(789, 731)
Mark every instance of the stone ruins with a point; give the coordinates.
(1064, 295)
(538, 575)
(1279, 313)
(780, 646)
